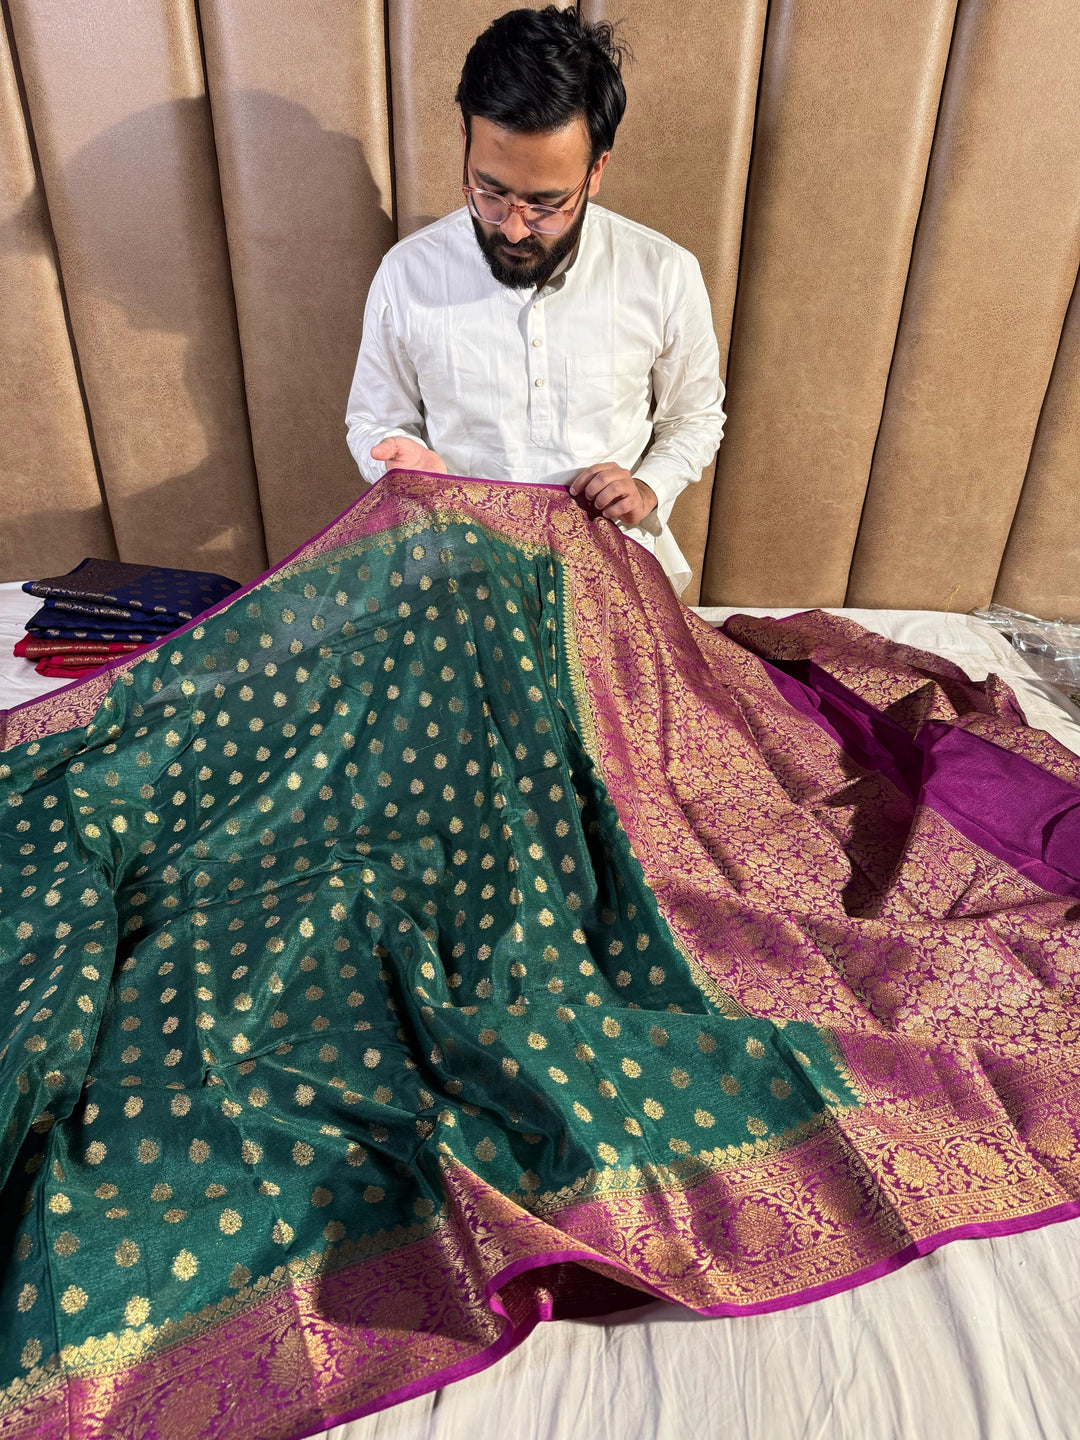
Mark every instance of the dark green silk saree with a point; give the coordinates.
(450, 931)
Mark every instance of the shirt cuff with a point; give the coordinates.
(667, 480)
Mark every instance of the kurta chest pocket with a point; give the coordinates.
(606, 396)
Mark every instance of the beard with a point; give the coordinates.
(529, 264)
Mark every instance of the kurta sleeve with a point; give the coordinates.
(688, 394)
(385, 396)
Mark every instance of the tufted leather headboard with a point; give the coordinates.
(884, 196)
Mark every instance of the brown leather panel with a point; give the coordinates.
(123, 134)
(845, 121)
(1040, 570)
(847, 106)
(681, 158)
(428, 45)
(51, 510)
(690, 526)
(302, 132)
(992, 270)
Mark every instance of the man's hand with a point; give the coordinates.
(614, 492)
(401, 453)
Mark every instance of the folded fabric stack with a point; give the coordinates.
(106, 608)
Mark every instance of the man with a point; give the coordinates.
(531, 336)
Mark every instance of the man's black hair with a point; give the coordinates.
(534, 70)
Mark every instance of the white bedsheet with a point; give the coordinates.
(979, 1341)
(19, 681)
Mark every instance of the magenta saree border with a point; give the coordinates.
(54, 1412)
(916, 1250)
(519, 1331)
(990, 1230)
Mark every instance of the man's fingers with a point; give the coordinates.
(603, 484)
(607, 492)
(401, 451)
(595, 485)
(621, 510)
(617, 506)
(578, 484)
(590, 480)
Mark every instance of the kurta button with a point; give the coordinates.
(538, 383)
(538, 342)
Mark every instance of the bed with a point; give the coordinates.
(977, 1339)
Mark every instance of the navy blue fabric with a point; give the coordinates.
(106, 591)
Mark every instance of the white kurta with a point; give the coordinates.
(614, 359)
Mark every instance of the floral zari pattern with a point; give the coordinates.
(450, 932)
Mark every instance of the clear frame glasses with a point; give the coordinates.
(494, 209)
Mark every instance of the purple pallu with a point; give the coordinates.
(1002, 801)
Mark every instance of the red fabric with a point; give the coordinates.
(31, 648)
(52, 667)
(70, 659)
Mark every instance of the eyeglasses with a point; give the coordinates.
(495, 209)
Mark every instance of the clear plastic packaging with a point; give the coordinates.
(1050, 647)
